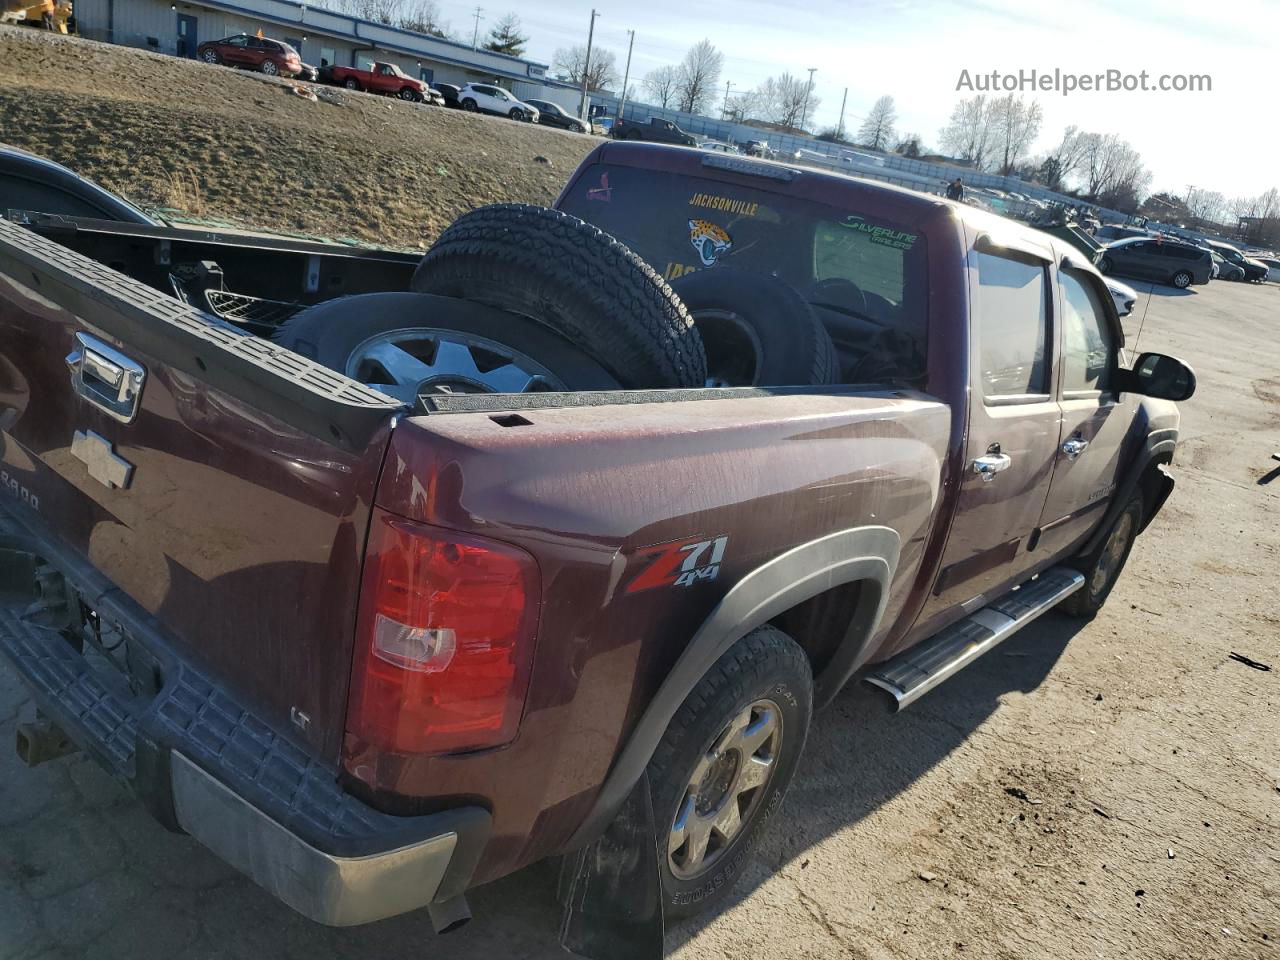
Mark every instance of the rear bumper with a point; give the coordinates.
(205, 765)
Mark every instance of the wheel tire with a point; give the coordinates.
(351, 83)
(269, 68)
(331, 332)
(516, 114)
(1182, 279)
(578, 128)
(729, 305)
(575, 279)
(211, 56)
(1105, 265)
(408, 93)
(469, 105)
(765, 665)
(1102, 565)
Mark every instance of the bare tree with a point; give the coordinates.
(877, 130)
(699, 77)
(969, 133)
(661, 85)
(910, 145)
(1207, 206)
(505, 37)
(1017, 124)
(1113, 171)
(781, 99)
(601, 73)
(743, 106)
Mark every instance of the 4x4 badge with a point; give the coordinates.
(95, 452)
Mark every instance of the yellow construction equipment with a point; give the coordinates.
(49, 14)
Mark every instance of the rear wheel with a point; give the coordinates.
(1102, 565)
(575, 279)
(404, 344)
(1182, 279)
(469, 105)
(269, 68)
(724, 764)
(351, 83)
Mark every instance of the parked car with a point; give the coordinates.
(30, 182)
(449, 93)
(308, 73)
(553, 115)
(1111, 232)
(1224, 269)
(486, 98)
(758, 148)
(433, 96)
(385, 78)
(718, 146)
(1123, 295)
(272, 57)
(656, 130)
(1255, 271)
(1273, 267)
(1153, 258)
(393, 617)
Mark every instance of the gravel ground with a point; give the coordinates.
(1109, 789)
(234, 146)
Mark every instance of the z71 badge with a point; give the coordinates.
(681, 563)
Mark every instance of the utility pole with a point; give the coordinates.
(804, 115)
(626, 74)
(840, 126)
(586, 66)
(475, 36)
(724, 111)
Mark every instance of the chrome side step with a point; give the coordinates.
(916, 671)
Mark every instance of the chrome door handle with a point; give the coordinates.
(1074, 447)
(106, 377)
(988, 466)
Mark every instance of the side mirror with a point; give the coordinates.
(1160, 376)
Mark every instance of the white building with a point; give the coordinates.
(320, 36)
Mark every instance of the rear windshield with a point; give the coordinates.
(864, 277)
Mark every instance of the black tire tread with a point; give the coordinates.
(1082, 603)
(556, 255)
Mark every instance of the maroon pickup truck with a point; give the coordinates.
(379, 78)
(385, 575)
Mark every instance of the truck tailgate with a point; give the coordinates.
(226, 491)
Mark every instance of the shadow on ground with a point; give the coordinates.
(101, 879)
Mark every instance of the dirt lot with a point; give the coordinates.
(1110, 789)
(228, 145)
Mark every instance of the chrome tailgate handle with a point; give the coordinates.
(106, 377)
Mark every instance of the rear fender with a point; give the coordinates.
(862, 554)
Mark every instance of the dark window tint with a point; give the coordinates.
(1011, 325)
(18, 193)
(237, 41)
(1088, 343)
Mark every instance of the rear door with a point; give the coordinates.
(235, 50)
(1013, 428)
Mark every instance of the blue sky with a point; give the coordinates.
(915, 51)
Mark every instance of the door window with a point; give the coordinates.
(1012, 326)
(1088, 343)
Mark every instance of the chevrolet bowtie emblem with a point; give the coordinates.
(95, 452)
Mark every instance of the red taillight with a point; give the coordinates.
(444, 642)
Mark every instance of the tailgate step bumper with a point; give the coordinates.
(916, 671)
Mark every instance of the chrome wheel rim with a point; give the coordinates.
(405, 363)
(269, 68)
(210, 57)
(406, 94)
(1181, 280)
(1112, 553)
(723, 790)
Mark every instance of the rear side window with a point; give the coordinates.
(865, 277)
(1012, 326)
(19, 193)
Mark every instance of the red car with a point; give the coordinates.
(272, 57)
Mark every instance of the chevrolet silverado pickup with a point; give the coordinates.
(384, 575)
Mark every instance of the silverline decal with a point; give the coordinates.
(886, 236)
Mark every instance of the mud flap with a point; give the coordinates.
(611, 888)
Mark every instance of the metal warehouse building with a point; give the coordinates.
(320, 35)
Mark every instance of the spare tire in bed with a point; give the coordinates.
(575, 280)
(409, 343)
(756, 330)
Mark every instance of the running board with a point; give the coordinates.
(917, 670)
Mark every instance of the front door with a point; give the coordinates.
(1095, 420)
(187, 37)
(1014, 424)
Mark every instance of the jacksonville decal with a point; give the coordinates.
(885, 236)
(709, 240)
(674, 270)
(742, 208)
(681, 563)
